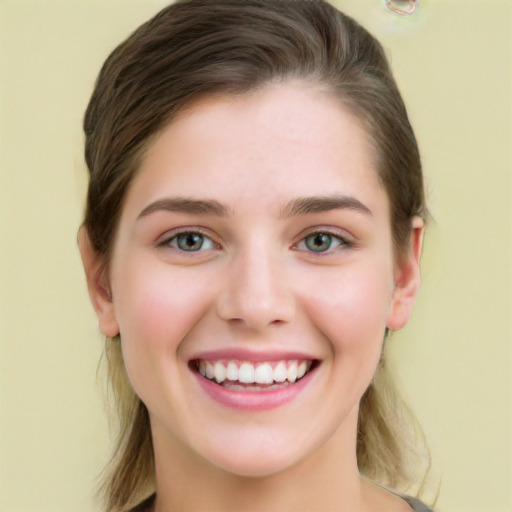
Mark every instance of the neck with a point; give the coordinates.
(327, 479)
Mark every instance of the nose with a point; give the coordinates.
(257, 293)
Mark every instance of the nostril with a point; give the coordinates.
(240, 308)
(256, 290)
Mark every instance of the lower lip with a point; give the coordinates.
(253, 400)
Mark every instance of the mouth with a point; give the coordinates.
(253, 385)
(240, 375)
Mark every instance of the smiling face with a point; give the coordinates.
(252, 279)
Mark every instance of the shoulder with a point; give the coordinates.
(145, 506)
(416, 504)
(385, 498)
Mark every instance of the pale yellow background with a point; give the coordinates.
(453, 62)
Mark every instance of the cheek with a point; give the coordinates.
(351, 314)
(156, 309)
(352, 311)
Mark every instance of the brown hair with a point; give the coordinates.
(198, 48)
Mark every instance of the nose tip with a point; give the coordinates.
(256, 296)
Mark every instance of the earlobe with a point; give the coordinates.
(97, 283)
(407, 280)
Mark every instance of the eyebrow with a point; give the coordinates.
(319, 204)
(186, 205)
(296, 207)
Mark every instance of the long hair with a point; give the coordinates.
(199, 48)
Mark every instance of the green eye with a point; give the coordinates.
(319, 242)
(191, 242)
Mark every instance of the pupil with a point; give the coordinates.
(190, 242)
(319, 242)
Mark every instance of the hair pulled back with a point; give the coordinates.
(198, 48)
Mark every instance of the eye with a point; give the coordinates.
(191, 241)
(321, 242)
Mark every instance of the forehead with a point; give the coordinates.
(297, 112)
(296, 139)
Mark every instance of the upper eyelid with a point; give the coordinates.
(166, 244)
(346, 241)
(173, 233)
(337, 232)
(340, 233)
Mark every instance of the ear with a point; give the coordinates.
(97, 283)
(407, 279)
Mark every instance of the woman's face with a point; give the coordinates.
(255, 245)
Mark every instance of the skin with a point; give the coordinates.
(256, 284)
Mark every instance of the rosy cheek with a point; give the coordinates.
(151, 322)
(161, 307)
(347, 314)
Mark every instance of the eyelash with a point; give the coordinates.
(173, 241)
(339, 241)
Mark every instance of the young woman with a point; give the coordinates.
(252, 232)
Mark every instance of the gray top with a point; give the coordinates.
(415, 503)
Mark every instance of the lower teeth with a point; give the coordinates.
(250, 387)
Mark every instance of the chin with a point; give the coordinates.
(255, 462)
(254, 468)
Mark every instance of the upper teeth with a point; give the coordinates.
(248, 372)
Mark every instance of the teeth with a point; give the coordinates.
(280, 372)
(245, 372)
(239, 387)
(210, 373)
(219, 371)
(292, 371)
(264, 374)
(232, 371)
(302, 369)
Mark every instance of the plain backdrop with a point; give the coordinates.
(452, 60)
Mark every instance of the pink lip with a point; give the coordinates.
(253, 400)
(249, 355)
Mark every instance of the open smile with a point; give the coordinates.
(253, 385)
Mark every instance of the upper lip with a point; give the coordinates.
(242, 354)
